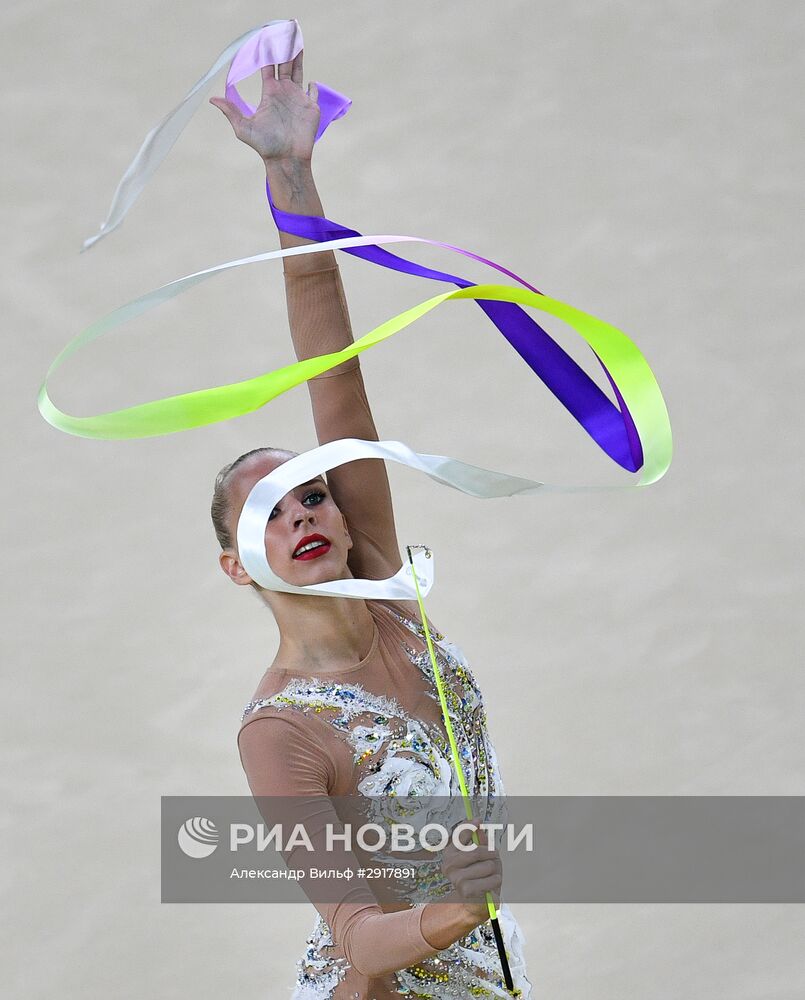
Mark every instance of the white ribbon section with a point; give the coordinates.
(269, 490)
(160, 140)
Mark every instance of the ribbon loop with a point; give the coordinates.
(635, 432)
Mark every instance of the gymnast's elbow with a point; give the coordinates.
(362, 953)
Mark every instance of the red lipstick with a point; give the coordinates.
(320, 546)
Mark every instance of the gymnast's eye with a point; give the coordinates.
(273, 513)
(315, 497)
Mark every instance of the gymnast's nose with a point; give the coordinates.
(302, 514)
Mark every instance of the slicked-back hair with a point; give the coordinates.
(220, 509)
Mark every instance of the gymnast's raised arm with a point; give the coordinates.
(282, 131)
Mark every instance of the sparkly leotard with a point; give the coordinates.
(376, 729)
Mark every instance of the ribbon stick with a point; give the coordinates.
(465, 795)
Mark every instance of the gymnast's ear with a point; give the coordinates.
(233, 568)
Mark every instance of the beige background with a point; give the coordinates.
(638, 160)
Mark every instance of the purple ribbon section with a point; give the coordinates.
(612, 428)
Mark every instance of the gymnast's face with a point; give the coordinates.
(307, 540)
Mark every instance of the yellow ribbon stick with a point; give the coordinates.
(465, 795)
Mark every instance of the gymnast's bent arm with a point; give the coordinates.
(290, 771)
(282, 131)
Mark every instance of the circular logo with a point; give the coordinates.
(198, 837)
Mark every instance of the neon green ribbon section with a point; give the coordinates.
(622, 358)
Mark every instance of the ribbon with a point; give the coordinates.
(270, 43)
(635, 434)
(611, 428)
(268, 491)
(636, 382)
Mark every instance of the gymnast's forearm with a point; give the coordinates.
(293, 190)
(375, 943)
(317, 307)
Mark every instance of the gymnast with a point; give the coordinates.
(349, 705)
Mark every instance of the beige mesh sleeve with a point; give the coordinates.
(319, 322)
(282, 756)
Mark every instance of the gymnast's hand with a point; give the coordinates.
(473, 873)
(284, 124)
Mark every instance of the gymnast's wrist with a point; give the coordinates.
(287, 163)
(291, 182)
(448, 920)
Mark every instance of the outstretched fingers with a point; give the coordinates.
(291, 70)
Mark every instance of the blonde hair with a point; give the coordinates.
(220, 509)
